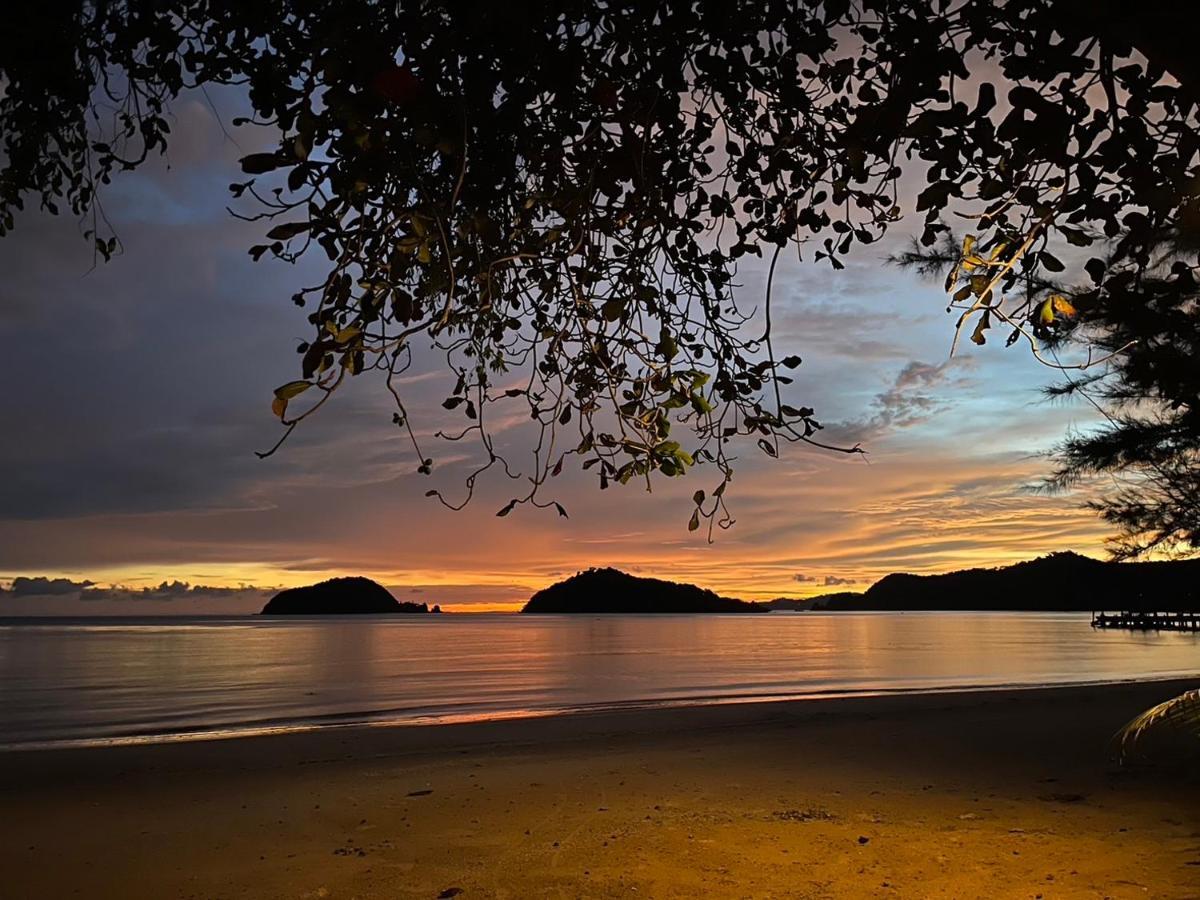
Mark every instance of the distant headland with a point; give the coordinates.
(613, 591)
(340, 596)
(1059, 582)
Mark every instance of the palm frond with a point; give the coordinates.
(1176, 721)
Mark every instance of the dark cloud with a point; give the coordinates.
(804, 579)
(41, 586)
(42, 589)
(168, 591)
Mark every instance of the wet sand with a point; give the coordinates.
(988, 795)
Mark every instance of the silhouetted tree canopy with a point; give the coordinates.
(1139, 320)
(1148, 449)
(557, 195)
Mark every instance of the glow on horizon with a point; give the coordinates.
(138, 468)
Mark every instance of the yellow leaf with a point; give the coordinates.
(1063, 306)
(292, 389)
(279, 406)
(1046, 313)
(347, 334)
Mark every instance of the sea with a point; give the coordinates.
(72, 682)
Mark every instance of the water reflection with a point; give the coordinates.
(95, 680)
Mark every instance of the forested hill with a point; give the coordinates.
(613, 591)
(340, 596)
(1061, 581)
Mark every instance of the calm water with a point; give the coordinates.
(102, 680)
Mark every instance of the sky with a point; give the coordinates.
(137, 392)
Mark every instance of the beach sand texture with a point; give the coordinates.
(974, 795)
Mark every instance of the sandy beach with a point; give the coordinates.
(989, 795)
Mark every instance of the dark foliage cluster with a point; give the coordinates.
(556, 196)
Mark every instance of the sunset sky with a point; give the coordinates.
(138, 391)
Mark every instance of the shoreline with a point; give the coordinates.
(388, 720)
(988, 794)
(354, 742)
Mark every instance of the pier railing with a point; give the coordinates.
(1147, 621)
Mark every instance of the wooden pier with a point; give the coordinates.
(1147, 621)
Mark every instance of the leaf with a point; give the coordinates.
(292, 389)
(613, 309)
(983, 325)
(768, 448)
(667, 346)
(987, 99)
(694, 521)
(286, 392)
(507, 509)
(398, 84)
(258, 163)
(1176, 718)
(1053, 308)
(1063, 306)
(952, 277)
(562, 512)
(790, 362)
(698, 497)
(287, 230)
(1076, 236)
(1050, 261)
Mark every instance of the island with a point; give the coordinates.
(340, 596)
(614, 591)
